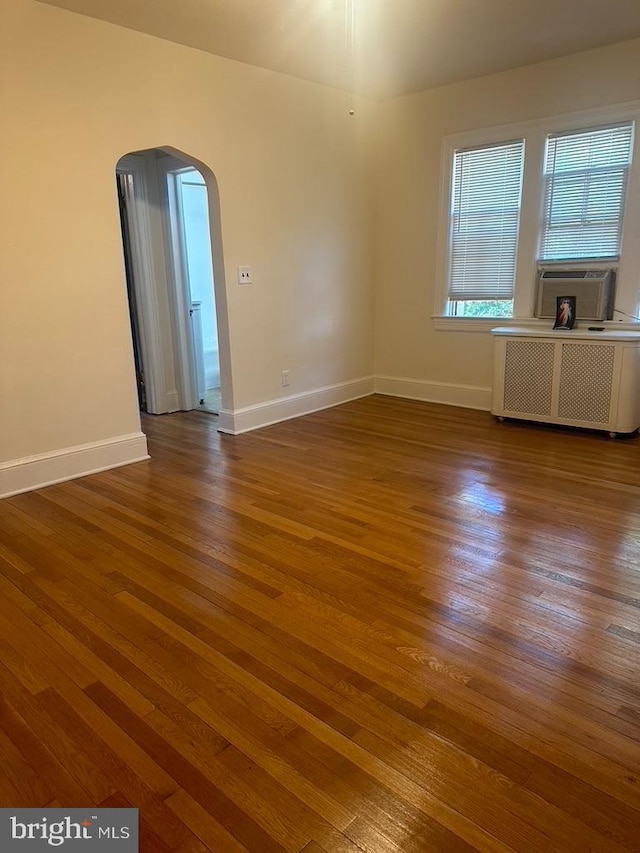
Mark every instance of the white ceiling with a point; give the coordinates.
(401, 45)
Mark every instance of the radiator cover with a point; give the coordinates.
(584, 379)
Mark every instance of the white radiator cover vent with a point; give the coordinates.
(586, 382)
(593, 290)
(528, 379)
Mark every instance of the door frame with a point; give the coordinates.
(187, 383)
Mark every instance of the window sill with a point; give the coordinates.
(485, 324)
(444, 323)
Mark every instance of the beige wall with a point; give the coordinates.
(411, 133)
(78, 94)
(296, 204)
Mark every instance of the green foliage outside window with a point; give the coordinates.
(482, 308)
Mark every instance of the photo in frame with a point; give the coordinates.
(565, 312)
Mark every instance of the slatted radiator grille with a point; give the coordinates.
(586, 380)
(528, 377)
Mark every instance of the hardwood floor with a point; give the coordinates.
(389, 626)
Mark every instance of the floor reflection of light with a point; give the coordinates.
(481, 496)
(629, 545)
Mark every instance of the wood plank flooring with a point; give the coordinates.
(389, 626)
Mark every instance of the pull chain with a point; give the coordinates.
(349, 42)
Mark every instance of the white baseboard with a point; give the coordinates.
(466, 396)
(45, 469)
(293, 406)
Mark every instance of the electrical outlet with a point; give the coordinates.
(285, 378)
(245, 275)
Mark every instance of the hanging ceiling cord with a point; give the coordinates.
(349, 42)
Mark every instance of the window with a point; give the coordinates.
(484, 219)
(585, 179)
(555, 191)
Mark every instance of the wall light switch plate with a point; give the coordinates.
(245, 275)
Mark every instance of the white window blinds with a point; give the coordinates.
(484, 219)
(585, 176)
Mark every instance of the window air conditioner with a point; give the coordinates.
(593, 290)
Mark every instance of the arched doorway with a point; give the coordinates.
(170, 218)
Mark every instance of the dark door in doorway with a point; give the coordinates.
(123, 182)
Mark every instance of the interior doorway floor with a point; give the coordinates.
(212, 401)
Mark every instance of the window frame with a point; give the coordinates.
(465, 177)
(535, 133)
(562, 184)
